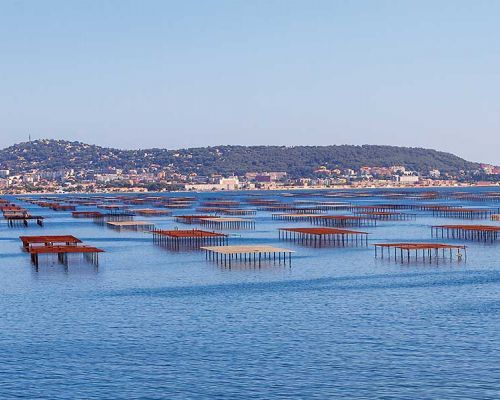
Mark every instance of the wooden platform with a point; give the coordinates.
(426, 250)
(467, 232)
(18, 216)
(62, 245)
(192, 233)
(64, 249)
(193, 238)
(344, 220)
(254, 255)
(295, 217)
(131, 225)
(460, 212)
(86, 214)
(228, 222)
(112, 217)
(151, 212)
(386, 215)
(193, 218)
(227, 211)
(322, 236)
(48, 240)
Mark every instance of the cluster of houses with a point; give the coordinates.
(165, 179)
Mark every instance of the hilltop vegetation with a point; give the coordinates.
(297, 161)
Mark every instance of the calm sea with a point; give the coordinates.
(151, 323)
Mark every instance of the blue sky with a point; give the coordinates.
(137, 74)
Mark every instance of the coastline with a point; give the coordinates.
(279, 188)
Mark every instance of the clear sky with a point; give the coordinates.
(137, 74)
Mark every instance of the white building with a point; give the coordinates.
(435, 173)
(231, 183)
(407, 178)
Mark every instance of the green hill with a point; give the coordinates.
(297, 161)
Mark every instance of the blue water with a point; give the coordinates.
(150, 323)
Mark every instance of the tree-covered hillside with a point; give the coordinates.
(297, 161)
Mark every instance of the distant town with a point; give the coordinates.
(155, 179)
(61, 167)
